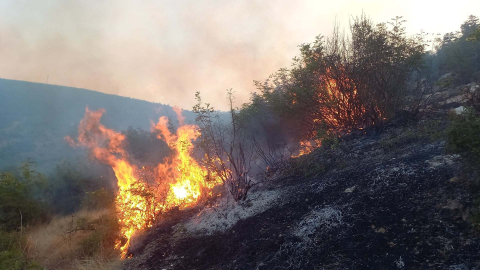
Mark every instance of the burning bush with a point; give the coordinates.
(178, 182)
(345, 83)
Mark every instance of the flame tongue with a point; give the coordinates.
(335, 88)
(136, 203)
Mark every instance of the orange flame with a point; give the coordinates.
(180, 175)
(307, 146)
(340, 90)
(186, 178)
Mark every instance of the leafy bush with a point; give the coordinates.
(12, 260)
(17, 204)
(342, 84)
(11, 255)
(463, 138)
(463, 135)
(458, 52)
(21, 205)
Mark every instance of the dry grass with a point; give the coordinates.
(58, 244)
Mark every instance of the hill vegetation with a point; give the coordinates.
(34, 119)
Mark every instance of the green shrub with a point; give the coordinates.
(11, 255)
(464, 135)
(464, 138)
(17, 205)
(328, 138)
(8, 240)
(11, 259)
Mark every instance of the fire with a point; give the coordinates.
(188, 177)
(135, 212)
(180, 192)
(307, 146)
(341, 91)
(182, 182)
(338, 89)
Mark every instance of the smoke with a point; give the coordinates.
(164, 51)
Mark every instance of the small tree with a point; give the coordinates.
(225, 154)
(463, 135)
(347, 82)
(459, 52)
(18, 206)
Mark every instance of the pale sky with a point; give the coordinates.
(165, 51)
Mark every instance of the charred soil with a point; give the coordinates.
(386, 201)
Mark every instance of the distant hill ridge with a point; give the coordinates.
(35, 117)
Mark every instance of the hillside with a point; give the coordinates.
(388, 201)
(35, 117)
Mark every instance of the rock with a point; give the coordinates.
(449, 96)
(454, 180)
(442, 160)
(460, 98)
(452, 205)
(459, 110)
(446, 76)
(452, 210)
(474, 88)
(400, 263)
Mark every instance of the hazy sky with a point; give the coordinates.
(164, 51)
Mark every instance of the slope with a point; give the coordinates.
(34, 119)
(388, 201)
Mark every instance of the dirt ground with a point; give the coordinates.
(388, 201)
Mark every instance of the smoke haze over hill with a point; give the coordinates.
(35, 118)
(164, 51)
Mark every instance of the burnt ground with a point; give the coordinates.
(388, 201)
